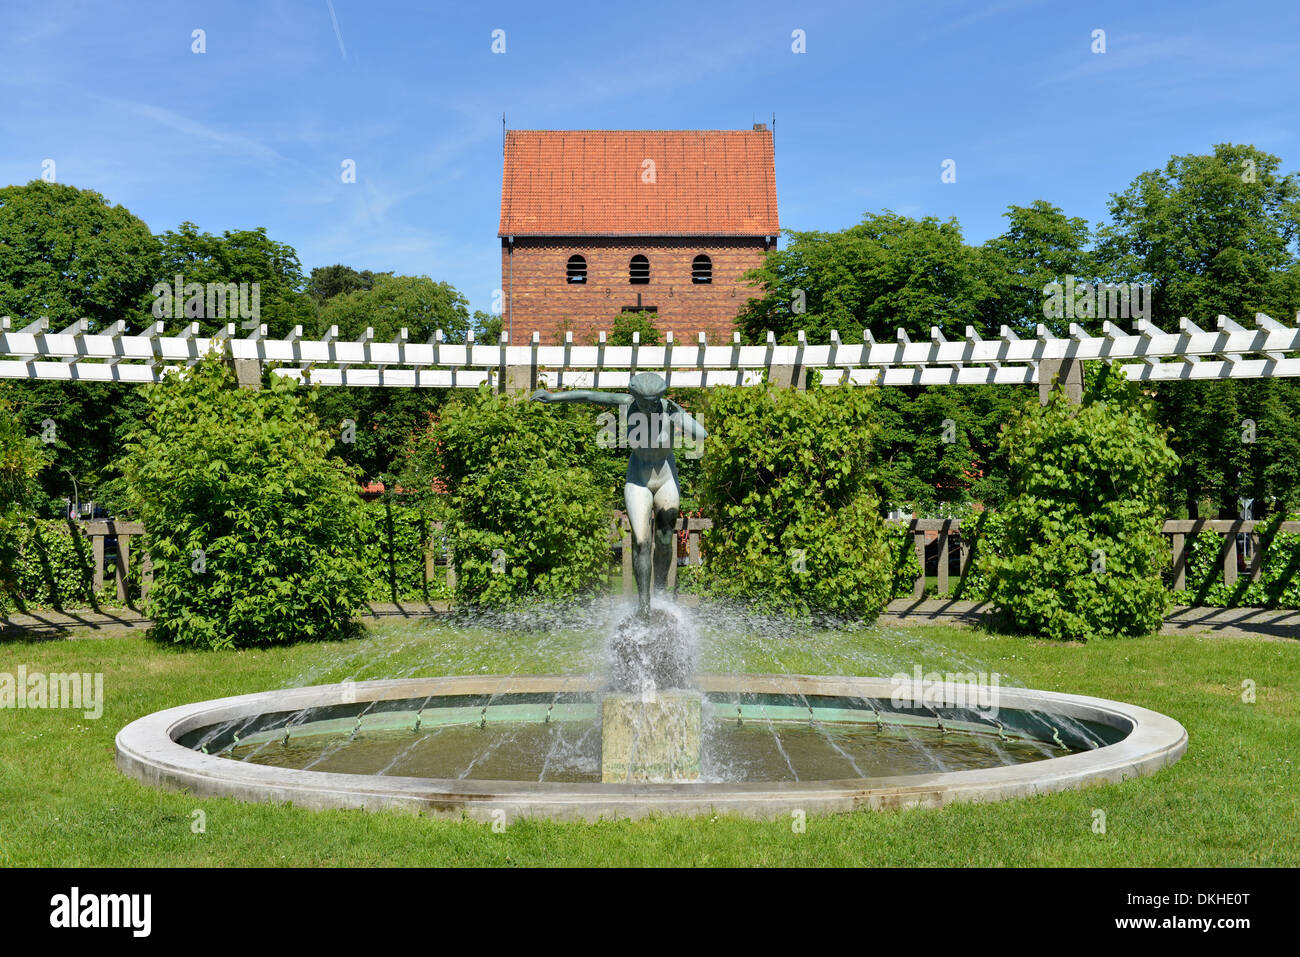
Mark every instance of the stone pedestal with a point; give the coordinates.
(654, 738)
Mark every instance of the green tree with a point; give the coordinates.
(387, 421)
(1082, 552)
(887, 272)
(67, 254)
(1217, 234)
(486, 326)
(939, 446)
(21, 457)
(627, 323)
(1271, 473)
(238, 256)
(1041, 245)
(326, 282)
(384, 425)
(253, 526)
(87, 424)
(392, 303)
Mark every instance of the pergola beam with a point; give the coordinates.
(1146, 353)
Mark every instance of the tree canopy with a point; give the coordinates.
(887, 272)
(1218, 234)
(240, 256)
(392, 303)
(66, 253)
(1215, 233)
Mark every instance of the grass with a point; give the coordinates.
(1233, 799)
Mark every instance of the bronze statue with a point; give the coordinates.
(655, 423)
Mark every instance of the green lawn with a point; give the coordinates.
(1234, 798)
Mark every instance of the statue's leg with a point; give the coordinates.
(667, 501)
(640, 509)
(665, 545)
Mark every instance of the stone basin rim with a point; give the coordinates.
(148, 751)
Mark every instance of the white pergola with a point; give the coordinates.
(1145, 353)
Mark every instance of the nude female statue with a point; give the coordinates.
(650, 489)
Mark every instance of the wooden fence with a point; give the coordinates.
(946, 534)
(99, 532)
(938, 542)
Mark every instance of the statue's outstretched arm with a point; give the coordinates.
(690, 428)
(583, 395)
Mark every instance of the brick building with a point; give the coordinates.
(597, 221)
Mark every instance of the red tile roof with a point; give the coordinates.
(590, 183)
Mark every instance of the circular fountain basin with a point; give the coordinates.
(212, 748)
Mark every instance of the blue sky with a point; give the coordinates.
(254, 131)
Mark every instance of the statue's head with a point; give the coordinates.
(647, 389)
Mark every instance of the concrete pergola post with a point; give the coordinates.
(518, 379)
(1064, 374)
(791, 375)
(248, 372)
(786, 377)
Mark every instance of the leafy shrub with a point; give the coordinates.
(252, 525)
(787, 481)
(21, 457)
(1083, 552)
(1279, 576)
(985, 533)
(626, 323)
(979, 530)
(525, 515)
(55, 564)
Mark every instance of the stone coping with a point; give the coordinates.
(148, 751)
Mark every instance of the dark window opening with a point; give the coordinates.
(577, 269)
(701, 269)
(639, 271)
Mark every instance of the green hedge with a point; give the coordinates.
(54, 567)
(903, 564)
(1083, 554)
(1279, 579)
(252, 523)
(984, 533)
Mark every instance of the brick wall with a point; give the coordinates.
(542, 298)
